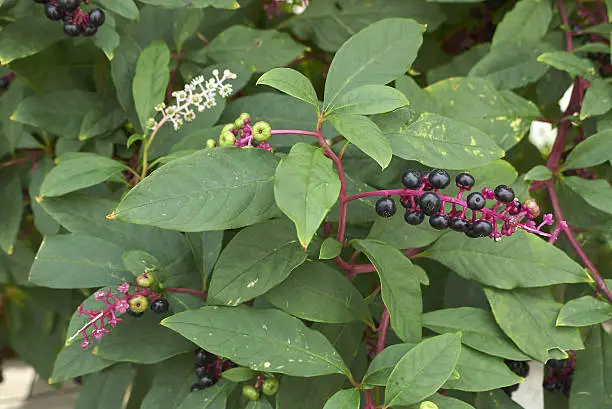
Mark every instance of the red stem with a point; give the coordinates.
(382, 335)
(568, 33)
(200, 294)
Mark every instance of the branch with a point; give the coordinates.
(200, 294)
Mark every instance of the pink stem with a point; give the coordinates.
(293, 132)
(201, 294)
(369, 400)
(568, 33)
(382, 336)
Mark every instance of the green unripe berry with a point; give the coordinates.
(262, 131)
(228, 127)
(227, 139)
(238, 123)
(130, 128)
(138, 304)
(270, 387)
(244, 116)
(249, 392)
(145, 280)
(428, 405)
(211, 143)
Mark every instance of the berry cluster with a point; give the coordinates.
(268, 386)
(558, 375)
(242, 134)
(76, 21)
(421, 198)
(521, 368)
(131, 299)
(208, 369)
(276, 7)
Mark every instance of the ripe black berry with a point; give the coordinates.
(90, 31)
(510, 389)
(476, 201)
(97, 17)
(439, 179)
(552, 386)
(412, 179)
(202, 357)
(160, 306)
(4, 83)
(385, 207)
(72, 30)
(460, 225)
(465, 180)
(430, 203)
(196, 387)
(207, 381)
(201, 371)
(68, 5)
(516, 208)
(480, 228)
(414, 217)
(439, 221)
(504, 193)
(53, 12)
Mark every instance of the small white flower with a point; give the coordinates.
(298, 9)
(565, 99)
(160, 107)
(542, 135)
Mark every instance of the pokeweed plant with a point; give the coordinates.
(307, 204)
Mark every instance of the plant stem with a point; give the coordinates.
(293, 132)
(15, 161)
(565, 19)
(147, 146)
(200, 294)
(382, 335)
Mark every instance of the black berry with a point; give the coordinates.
(460, 225)
(72, 30)
(134, 314)
(53, 12)
(480, 228)
(68, 5)
(504, 193)
(516, 207)
(414, 217)
(202, 357)
(4, 83)
(465, 180)
(510, 389)
(90, 31)
(385, 207)
(439, 179)
(160, 306)
(476, 201)
(97, 17)
(439, 221)
(196, 387)
(207, 381)
(201, 371)
(430, 203)
(41, 1)
(412, 179)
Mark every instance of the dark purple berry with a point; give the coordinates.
(41, 1)
(430, 203)
(460, 225)
(4, 83)
(465, 180)
(196, 387)
(90, 31)
(480, 228)
(516, 207)
(72, 30)
(53, 12)
(439, 179)
(557, 364)
(68, 5)
(476, 201)
(201, 371)
(206, 381)
(414, 217)
(412, 179)
(160, 306)
(97, 17)
(504, 193)
(385, 207)
(202, 357)
(439, 221)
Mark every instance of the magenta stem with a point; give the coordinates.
(294, 132)
(382, 335)
(201, 294)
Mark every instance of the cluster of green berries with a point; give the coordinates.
(242, 134)
(267, 386)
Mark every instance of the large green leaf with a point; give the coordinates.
(570, 63)
(584, 311)
(171, 383)
(478, 330)
(344, 399)
(496, 399)
(26, 36)
(376, 55)
(594, 150)
(597, 99)
(123, 70)
(263, 340)
(183, 195)
(447, 402)
(317, 292)
(214, 397)
(257, 259)
(423, 370)
(291, 82)
(105, 389)
(150, 79)
(125, 8)
(381, 366)
(535, 334)
(369, 100)
(528, 20)
(400, 287)
(171, 4)
(399, 234)
(72, 361)
(521, 260)
(596, 192)
(306, 187)
(11, 209)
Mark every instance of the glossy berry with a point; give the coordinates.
(53, 12)
(504, 193)
(430, 203)
(68, 5)
(262, 131)
(250, 392)
(412, 179)
(465, 180)
(460, 225)
(244, 116)
(206, 381)
(72, 30)
(145, 280)
(385, 207)
(227, 139)
(480, 228)
(202, 357)
(210, 143)
(439, 221)
(228, 127)
(201, 371)
(270, 387)
(516, 208)
(138, 303)
(439, 179)
(89, 31)
(414, 217)
(96, 17)
(476, 201)
(160, 306)
(196, 387)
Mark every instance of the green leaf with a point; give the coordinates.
(521, 260)
(125, 8)
(101, 120)
(78, 172)
(480, 372)
(77, 261)
(369, 100)
(171, 384)
(344, 399)
(107, 39)
(437, 141)
(185, 26)
(123, 69)
(446, 402)
(291, 82)
(330, 248)
(597, 100)
(423, 370)
(496, 399)
(459, 65)
(177, 197)
(239, 374)
(584, 311)
(478, 330)
(381, 366)
(260, 49)
(528, 20)
(226, 4)
(283, 344)
(72, 361)
(400, 287)
(534, 334)
(596, 192)
(214, 397)
(570, 63)
(376, 55)
(594, 150)
(539, 172)
(27, 36)
(365, 135)
(105, 389)
(397, 233)
(259, 404)
(305, 188)
(592, 380)
(11, 209)
(43, 221)
(257, 259)
(150, 79)
(316, 292)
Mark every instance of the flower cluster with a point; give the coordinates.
(558, 375)
(76, 21)
(276, 7)
(242, 134)
(198, 95)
